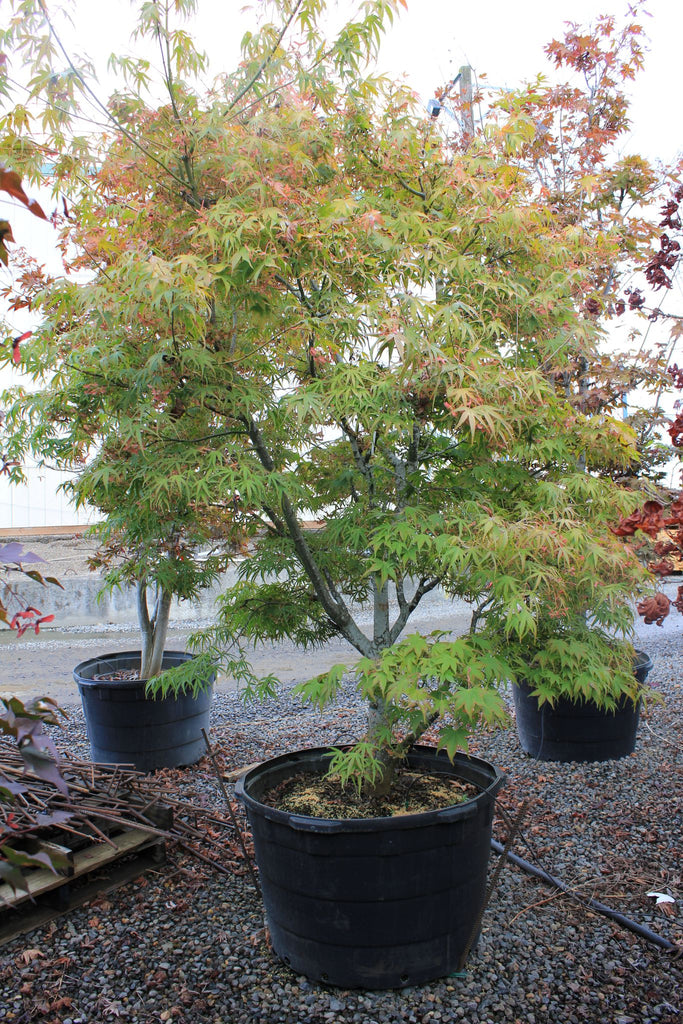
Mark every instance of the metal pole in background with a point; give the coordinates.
(465, 79)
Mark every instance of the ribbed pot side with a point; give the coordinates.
(378, 902)
(126, 727)
(578, 730)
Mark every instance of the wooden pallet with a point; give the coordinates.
(102, 866)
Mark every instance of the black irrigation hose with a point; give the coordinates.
(602, 908)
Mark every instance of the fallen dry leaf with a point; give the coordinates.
(29, 955)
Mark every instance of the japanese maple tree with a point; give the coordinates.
(293, 299)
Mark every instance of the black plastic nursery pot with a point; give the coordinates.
(578, 731)
(376, 902)
(126, 727)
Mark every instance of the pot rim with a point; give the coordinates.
(307, 823)
(120, 684)
(642, 659)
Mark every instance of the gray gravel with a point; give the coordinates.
(186, 944)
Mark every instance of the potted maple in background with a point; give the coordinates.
(133, 712)
(159, 547)
(307, 302)
(163, 551)
(578, 683)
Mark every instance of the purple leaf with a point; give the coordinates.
(53, 817)
(52, 860)
(42, 763)
(13, 788)
(12, 876)
(30, 728)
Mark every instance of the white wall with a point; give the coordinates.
(38, 503)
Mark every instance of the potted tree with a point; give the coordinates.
(171, 549)
(579, 681)
(309, 303)
(164, 548)
(601, 726)
(578, 686)
(86, 420)
(137, 710)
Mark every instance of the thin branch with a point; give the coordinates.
(297, 293)
(62, 110)
(404, 184)
(661, 315)
(411, 739)
(277, 524)
(166, 63)
(101, 106)
(399, 467)
(424, 587)
(400, 593)
(176, 347)
(233, 337)
(479, 613)
(414, 449)
(266, 60)
(283, 85)
(300, 294)
(234, 432)
(334, 606)
(362, 461)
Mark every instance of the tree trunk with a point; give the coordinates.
(377, 712)
(381, 615)
(146, 628)
(377, 718)
(154, 631)
(161, 618)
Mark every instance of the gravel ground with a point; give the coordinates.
(186, 944)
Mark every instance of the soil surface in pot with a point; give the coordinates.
(321, 796)
(122, 675)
